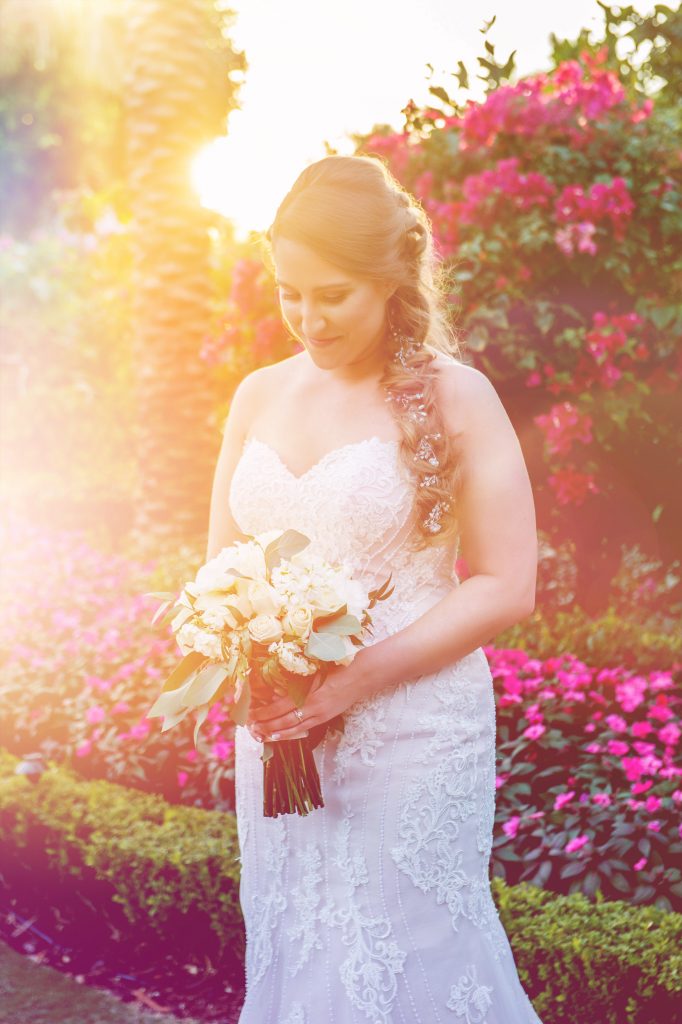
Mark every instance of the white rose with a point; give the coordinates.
(299, 621)
(325, 600)
(264, 629)
(213, 576)
(265, 600)
(185, 637)
(248, 558)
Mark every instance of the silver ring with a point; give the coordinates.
(299, 714)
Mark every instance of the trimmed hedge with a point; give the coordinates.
(603, 962)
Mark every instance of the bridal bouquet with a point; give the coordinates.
(263, 619)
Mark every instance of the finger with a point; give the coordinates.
(280, 723)
(277, 708)
(287, 734)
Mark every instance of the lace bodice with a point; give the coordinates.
(356, 505)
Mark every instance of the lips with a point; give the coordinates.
(322, 341)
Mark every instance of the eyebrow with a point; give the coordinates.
(322, 288)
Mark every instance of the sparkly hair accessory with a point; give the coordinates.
(410, 399)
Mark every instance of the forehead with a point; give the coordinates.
(298, 265)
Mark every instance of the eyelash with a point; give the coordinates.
(331, 300)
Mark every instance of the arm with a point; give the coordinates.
(498, 541)
(222, 529)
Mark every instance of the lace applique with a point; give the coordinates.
(441, 799)
(296, 1015)
(469, 999)
(363, 725)
(369, 971)
(305, 899)
(270, 903)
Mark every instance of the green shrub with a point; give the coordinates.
(593, 963)
(580, 961)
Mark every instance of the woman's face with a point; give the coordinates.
(340, 319)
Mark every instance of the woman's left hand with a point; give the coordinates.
(326, 700)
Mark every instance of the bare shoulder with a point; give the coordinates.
(468, 398)
(254, 390)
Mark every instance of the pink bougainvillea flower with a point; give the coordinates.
(640, 729)
(84, 749)
(511, 827)
(564, 424)
(95, 714)
(655, 825)
(603, 799)
(571, 487)
(641, 863)
(617, 747)
(563, 798)
(222, 749)
(576, 844)
(616, 722)
(182, 778)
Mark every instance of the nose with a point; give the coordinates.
(313, 322)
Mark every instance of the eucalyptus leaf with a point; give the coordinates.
(286, 546)
(190, 664)
(325, 646)
(345, 625)
(170, 702)
(239, 711)
(204, 685)
(201, 718)
(173, 720)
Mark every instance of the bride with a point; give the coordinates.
(392, 455)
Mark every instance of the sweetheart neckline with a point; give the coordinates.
(374, 439)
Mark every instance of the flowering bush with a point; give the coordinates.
(588, 789)
(589, 783)
(82, 664)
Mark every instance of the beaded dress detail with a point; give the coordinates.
(376, 908)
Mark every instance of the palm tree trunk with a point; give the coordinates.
(178, 95)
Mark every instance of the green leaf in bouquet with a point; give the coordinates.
(204, 685)
(201, 718)
(239, 711)
(322, 620)
(190, 664)
(268, 751)
(299, 688)
(345, 625)
(170, 702)
(182, 615)
(325, 646)
(286, 546)
(172, 720)
(160, 610)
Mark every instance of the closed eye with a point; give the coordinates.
(331, 299)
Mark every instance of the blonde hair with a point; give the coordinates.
(353, 213)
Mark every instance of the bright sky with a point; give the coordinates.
(319, 70)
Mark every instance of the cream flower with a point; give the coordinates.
(292, 659)
(265, 600)
(298, 621)
(264, 629)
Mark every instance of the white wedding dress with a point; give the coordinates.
(377, 907)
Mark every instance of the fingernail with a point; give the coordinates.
(275, 736)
